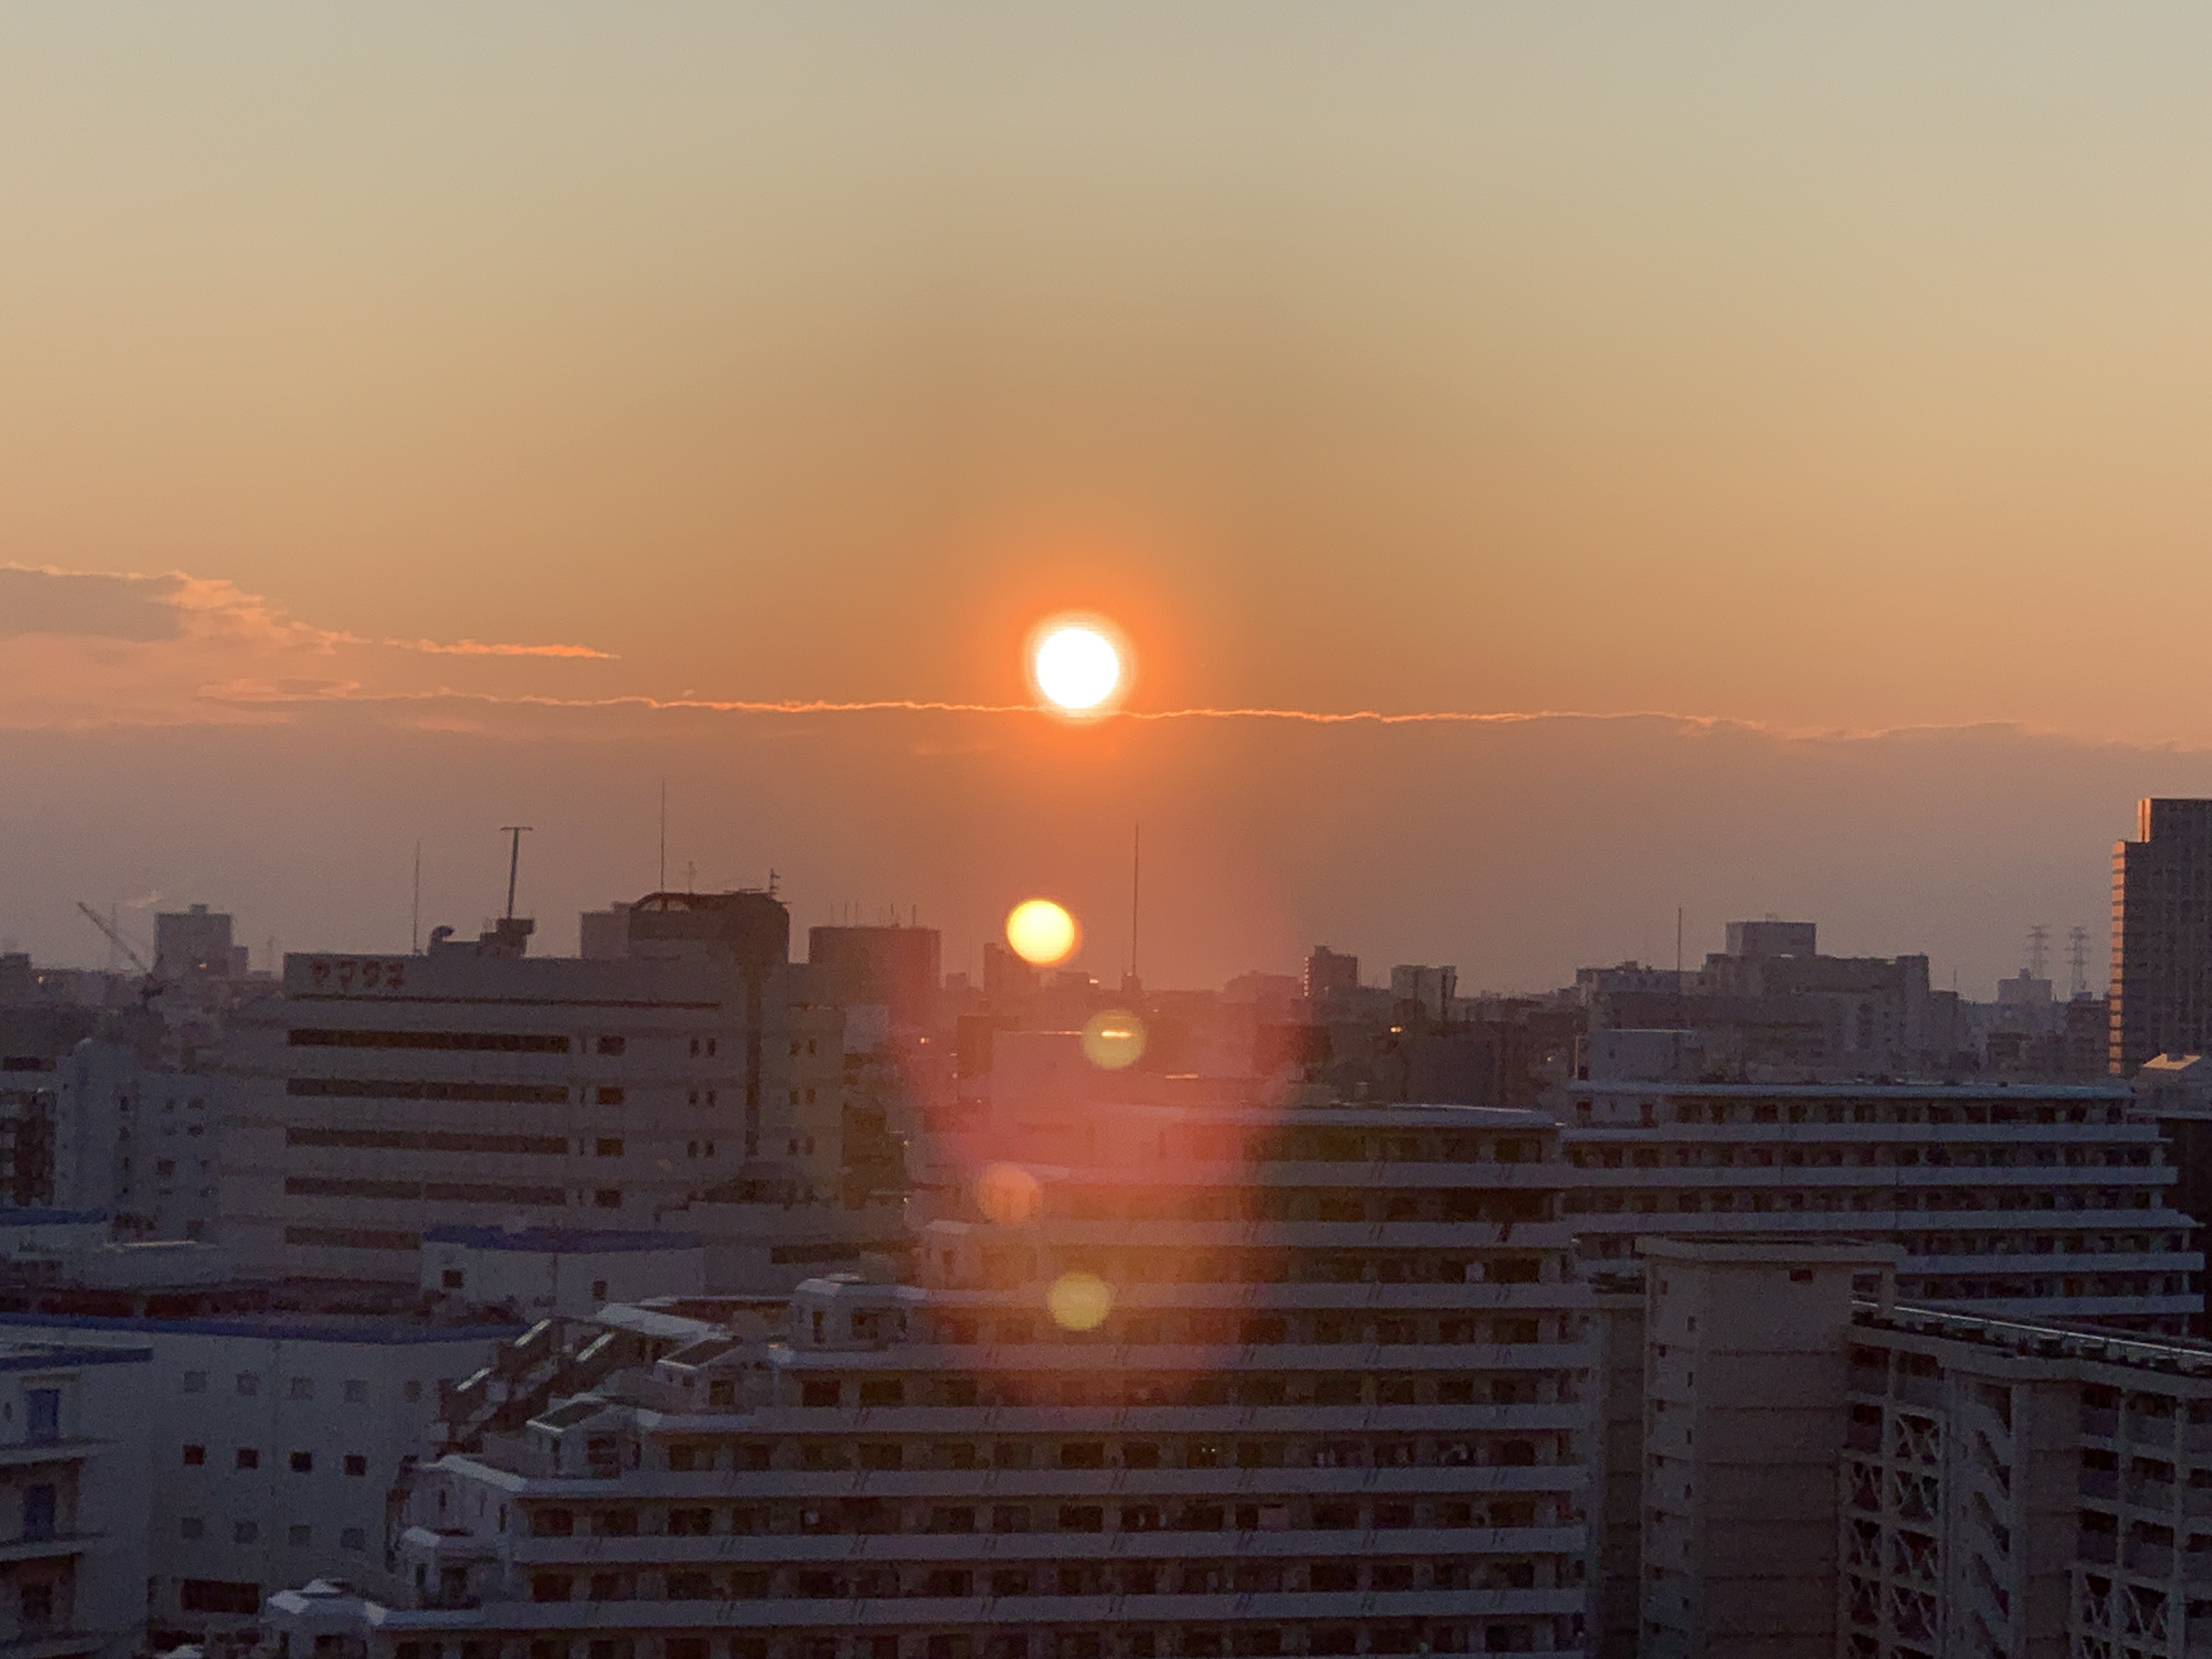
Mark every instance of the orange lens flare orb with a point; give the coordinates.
(1079, 665)
(1041, 933)
(1008, 1195)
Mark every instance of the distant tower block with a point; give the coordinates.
(2039, 951)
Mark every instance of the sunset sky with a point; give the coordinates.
(399, 404)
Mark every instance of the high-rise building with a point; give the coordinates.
(895, 968)
(2162, 1001)
(1331, 975)
(381, 1097)
(2036, 1199)
(1195, 1381)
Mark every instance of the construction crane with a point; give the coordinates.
(114, 936)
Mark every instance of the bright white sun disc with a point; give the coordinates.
(1077, 668)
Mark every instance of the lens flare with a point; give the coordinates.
(1114, 1039)
(1041, 933)
(1008, 1195)
(1079, 1302)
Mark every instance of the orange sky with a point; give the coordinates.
(1824, 374)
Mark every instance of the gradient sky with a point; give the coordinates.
(1817, 372)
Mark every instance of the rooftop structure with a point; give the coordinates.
(2036, 1199)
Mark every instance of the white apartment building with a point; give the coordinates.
(1212, 1382)
(2033, 1200)
(136, 1139)
(73, 1500)
(269, 1444)
(382, 1097)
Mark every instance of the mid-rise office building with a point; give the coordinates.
(2041, 1200)
(1202, 1381)
(381, 1098)
(2161, 998)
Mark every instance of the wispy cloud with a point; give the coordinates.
(82, 649)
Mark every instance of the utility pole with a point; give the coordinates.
(516, 831)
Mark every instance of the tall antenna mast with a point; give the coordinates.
(663, 886)
(2039, 951)
(514, 859)
(1136, 883)
(2077, 959)
(415, 920)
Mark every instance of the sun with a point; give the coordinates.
(1076, 667)
(1041, 932)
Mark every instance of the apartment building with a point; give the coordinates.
(2161, 989)
(265, 1444)
(2038, 1200)
(382, 1097)
(1209, 1382)
(73, 1500)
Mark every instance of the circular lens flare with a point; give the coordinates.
(1079, 1302)
(1041, 933)
(1008, 1195)
(1114, 1039)
(1077, 668)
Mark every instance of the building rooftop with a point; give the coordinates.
(1879, 1087)
(43, 1356)
(394, 1330)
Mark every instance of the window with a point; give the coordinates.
(303, 1462)
(599, 1291)
(450, 1279)
(609, 1096)
(548, 1586)
(355, 1464)
(195, 1456)
(190, 1527)
(607, 1147)
(248, 1457)
(195, 1382)
(303, 1388)
(412, 1391)
(36, 1603)
(245, 1532)
(249, 1382)
(352, 1538)
(357, 1391)
(607, 1198)
(612, 1045)
(301, 1538)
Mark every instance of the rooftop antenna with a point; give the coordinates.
(1136, 888)
(415, 919)
(2077, 959)
(663, 887)
(515, 831)
(2039, 951)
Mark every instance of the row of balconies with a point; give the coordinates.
(835, 1611)
(1456, 1479)
(1242, 1535)
(1390, 1404)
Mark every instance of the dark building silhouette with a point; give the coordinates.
(897, 968)
(2161, 1000)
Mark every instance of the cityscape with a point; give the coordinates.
(692, 1293)
(1263, 830)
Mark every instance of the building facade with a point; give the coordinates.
(73, 1499)
(1209, 1382)
(2041, 1200)
(266, 1446)
(381, 1098)
(2161, 997)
